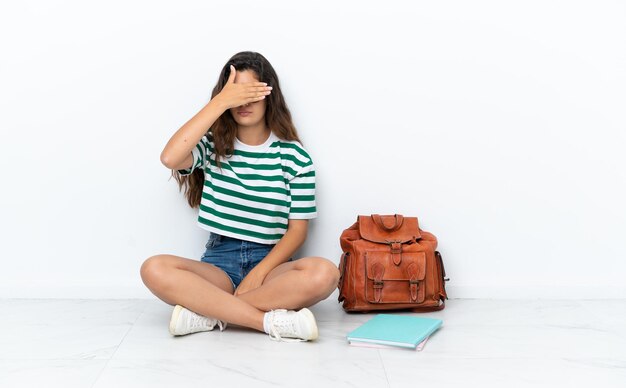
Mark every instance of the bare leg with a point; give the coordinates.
(294, 285)
(200, 287)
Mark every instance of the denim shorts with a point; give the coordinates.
(233, 256)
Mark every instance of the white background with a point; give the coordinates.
(501, 125)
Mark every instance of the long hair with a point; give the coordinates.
(224, 130)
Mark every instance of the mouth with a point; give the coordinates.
(244, 113)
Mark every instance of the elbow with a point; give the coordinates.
(166, 160)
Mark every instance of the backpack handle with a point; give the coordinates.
(378, 220)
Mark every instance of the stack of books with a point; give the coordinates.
(391, 331)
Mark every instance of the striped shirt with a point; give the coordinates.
(256, 190)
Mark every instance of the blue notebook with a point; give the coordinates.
(396, 330)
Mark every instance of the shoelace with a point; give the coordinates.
(198, 321)
(285, 324)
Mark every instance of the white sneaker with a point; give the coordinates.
(300, 325)
(185, 321)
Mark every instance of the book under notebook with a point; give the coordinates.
(395, 330)
(419, 347)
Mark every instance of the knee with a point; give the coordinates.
(324, 276)
(152, 269)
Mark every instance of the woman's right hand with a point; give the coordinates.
(234, 95)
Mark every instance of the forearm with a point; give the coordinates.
(284, 249)
(182, 142)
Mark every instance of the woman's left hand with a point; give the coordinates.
(253, 280)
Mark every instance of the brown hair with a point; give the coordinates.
(224, 130)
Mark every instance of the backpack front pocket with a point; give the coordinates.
(388, 282)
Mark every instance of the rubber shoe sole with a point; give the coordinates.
(174, 319)
(310, 318)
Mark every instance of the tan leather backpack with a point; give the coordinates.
(389, 263)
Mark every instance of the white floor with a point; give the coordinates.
(125, 343)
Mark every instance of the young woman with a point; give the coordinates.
(241, 162)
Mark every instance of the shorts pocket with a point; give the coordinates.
(214, 240)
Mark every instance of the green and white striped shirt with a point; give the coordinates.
(256, 190)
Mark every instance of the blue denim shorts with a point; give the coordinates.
(233, 256)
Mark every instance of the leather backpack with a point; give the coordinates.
(389, 263)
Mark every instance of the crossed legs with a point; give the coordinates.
(207, 290)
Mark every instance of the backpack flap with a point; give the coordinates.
(388, 229)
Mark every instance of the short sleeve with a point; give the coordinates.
(302, 187)
(200, 154)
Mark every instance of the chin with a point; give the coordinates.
(247, 123)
